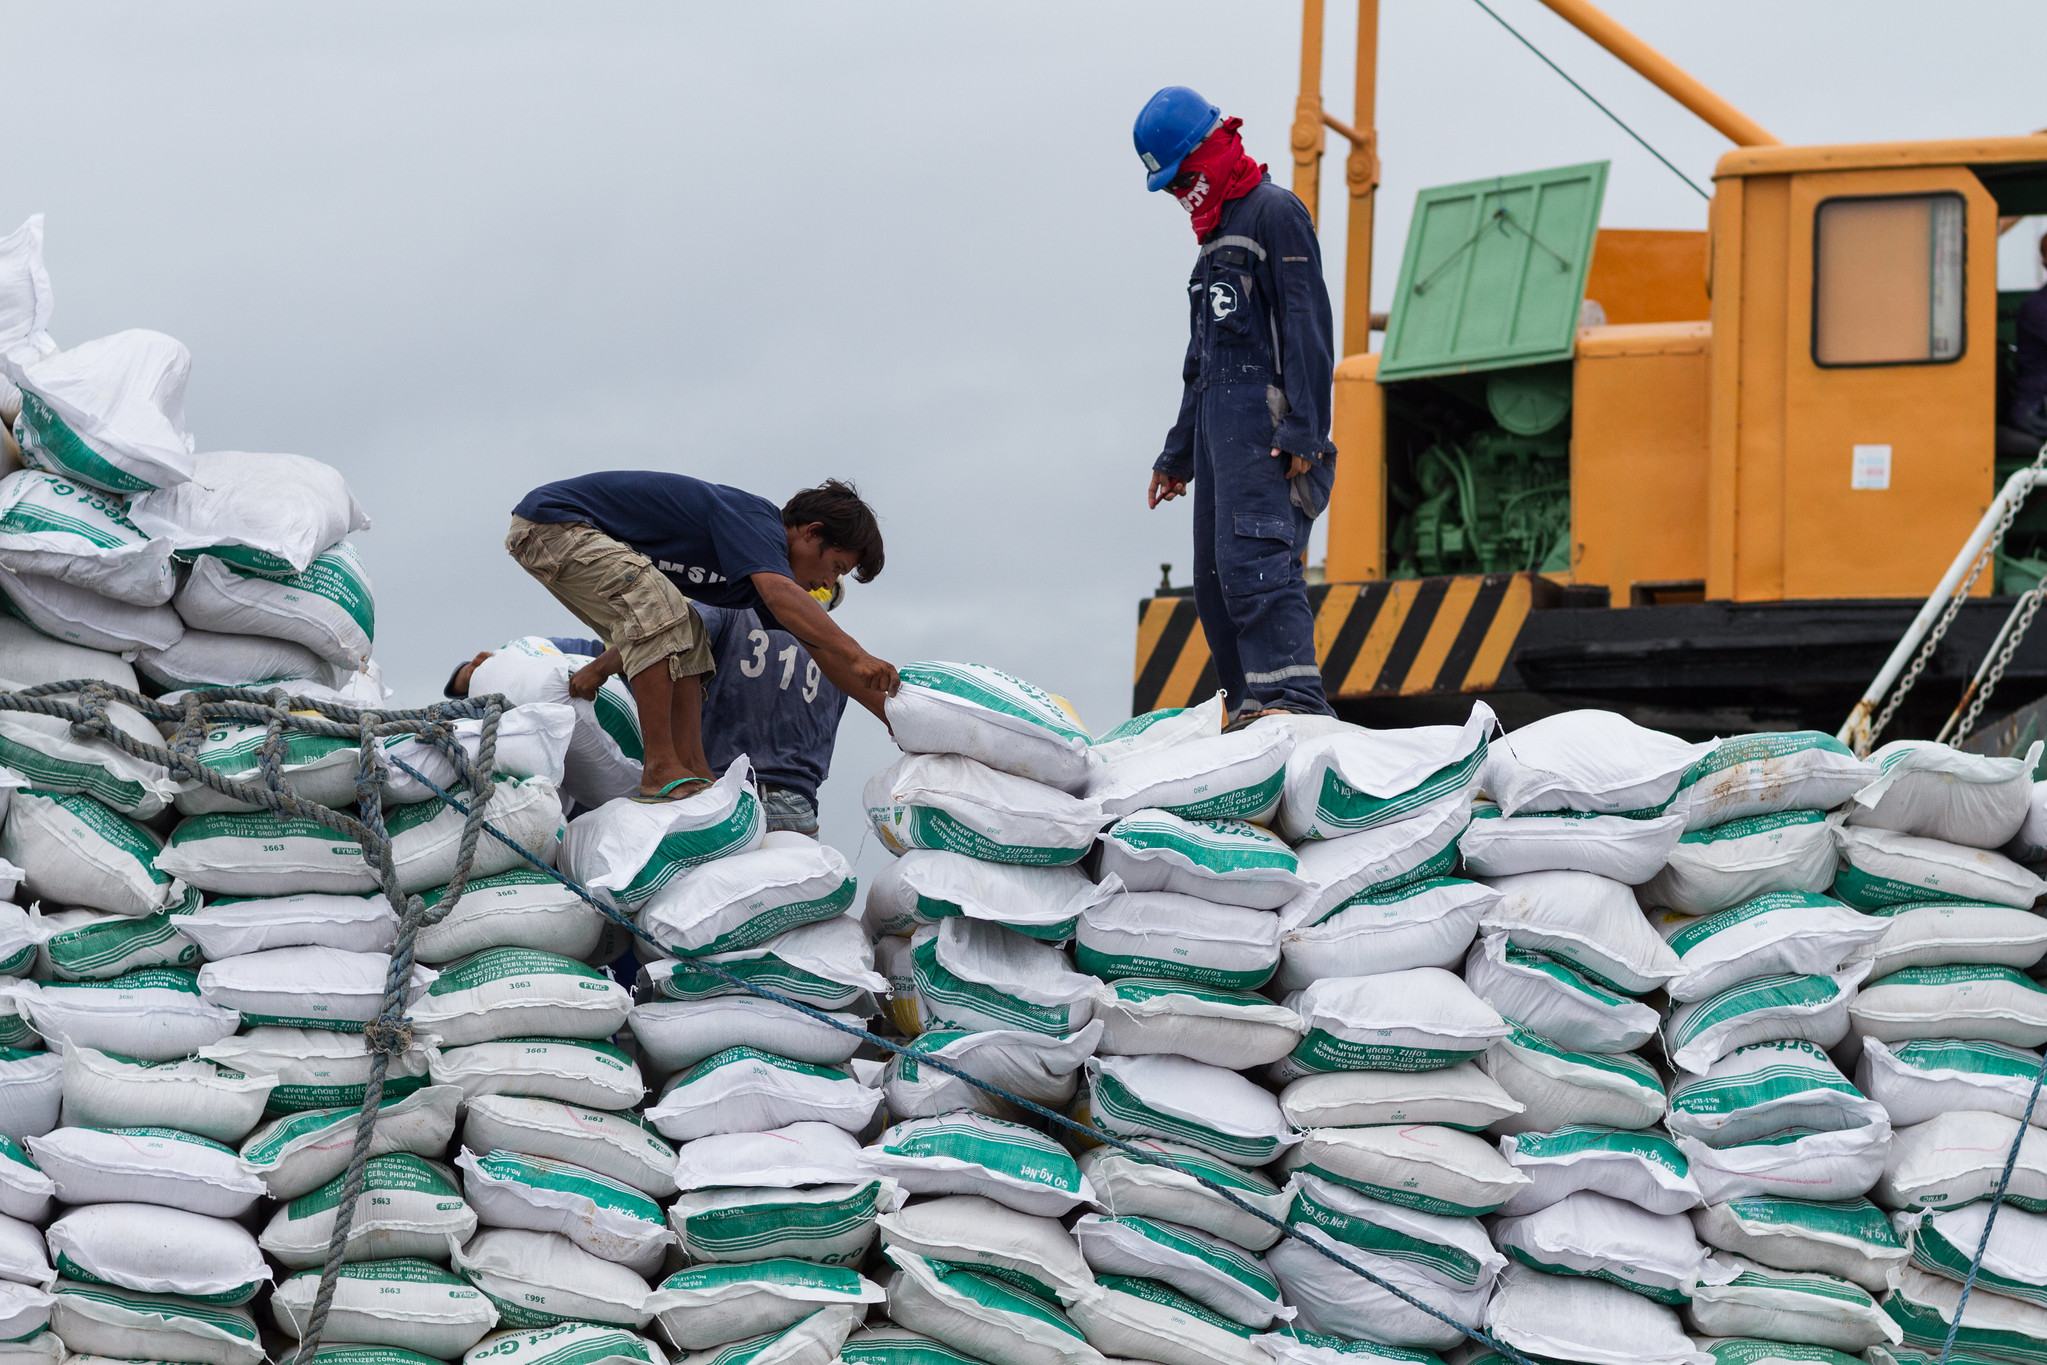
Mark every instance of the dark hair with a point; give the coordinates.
(848, 523)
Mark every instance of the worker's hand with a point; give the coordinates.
(1296, 465)
(1164, 488)
(584, 682)
(878, 674)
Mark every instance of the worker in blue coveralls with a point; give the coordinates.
(1253, 431)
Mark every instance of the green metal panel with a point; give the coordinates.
(1494, 273)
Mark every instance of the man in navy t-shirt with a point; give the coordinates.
(627, 552)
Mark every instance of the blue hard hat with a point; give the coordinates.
(1172, 123)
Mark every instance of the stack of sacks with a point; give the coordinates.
(212, 569)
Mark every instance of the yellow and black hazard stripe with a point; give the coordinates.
(1385, 638)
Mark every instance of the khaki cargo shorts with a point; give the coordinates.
(617, 592)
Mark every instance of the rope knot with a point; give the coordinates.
(390, 1037)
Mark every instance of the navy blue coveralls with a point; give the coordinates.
(1258, 374)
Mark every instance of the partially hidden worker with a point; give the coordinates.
(630, 552)
(1252, 436)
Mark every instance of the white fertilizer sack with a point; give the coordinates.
(993, 718)
(104, 1322)
(77, 852)
(746, 899)
(411, 1304)
(327, 607)
(707, 1306)
(1960, 1000)
(744, 1090)
(31, 1091)
(1722, 867)
(1558, 1088)
(1943, 932)
(823, 1224)
(1140, 1319)
(1645, 1169)
(1455, 1253)
(1938, 792)
(1354, 780)
(233, 926)
(1329, 1299)
(1768, 1088)
(271, 514)
(1797, 933)
(966, 1229)
(603, 761)
(1993, 1326)
(1180, 938)
(1334, 871)
(2014, 1263)
(156, 1250)
(88, 945)
(25, 1191)
(1925, 1078)
(58, 528)
(536, 1279)
(1588, 1233)
(193, 1096)
(1421, 1019)
(1850, 1239)
(1165, 1187)
(1812, 1007)
(1625, 850)
(153, 1015)
(1155, 730)
(1415, 1166)
(1594, 761)
(48, 756)
(1783, 1305)
(927, 885)
(315, 1068)
(982, 1316)
(963, 1153)
(515, 992)
(1226, 861)
(204, 658)
(1555, 1000)
(604, 1217)
(304, 987)
(628, 850)
(299, 1153)
(79, 616)
(1180, 1100)
(1460, 1096)
(1957, 1158)
(522, 908)
(533, 741)
(1216, 1275)
(575, 1071)
(785, 1158)
(1222, 777)
(974, 976)
(1033, 1066)
(621, 1146)
(676, 1034)
(146, 1166)
(1428, 923)
(316, 768)
(110, 412)
(1569, 1317)
(1748, 776)
(948, 801)
(828, 965)
(34, 658)
(1588, 922)
(1842, 1164)
(1236, 1030)
(1883, 867)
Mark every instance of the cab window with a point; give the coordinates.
(1887, 280)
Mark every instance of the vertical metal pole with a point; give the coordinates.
(1361, 176)
(1307, 135)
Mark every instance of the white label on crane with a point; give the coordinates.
(1872, 467)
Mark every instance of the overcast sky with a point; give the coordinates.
(460, 249)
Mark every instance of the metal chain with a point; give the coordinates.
(2029, 607)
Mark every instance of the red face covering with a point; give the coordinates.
(1222, 171)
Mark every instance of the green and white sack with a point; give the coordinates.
(1033, 1066)
(1336, 871)
(1747, 776)
(1220, 1112)
(1226, 861)
(316, 768)
(1798, 933)
(1960, 1000)
(1460, 1096)
(110, 412)
(31, 1093)
(1559, 1088)
(1141, 1319)
(1993, 1327)
(519, 992)
(25, 1310)
(202, 658)
(927, 885)
(1422, 1019)
(974, 976)
(153, 1015)
(744, 900)
(20, 936)
(536, 1279)
(1216, 1275)
(269, 514)
(993, 718)
(155, 1250)
(1131, 1186)
(1925, 1078)
(411, 1304)
(1034, 1254)
(144, 1166)
(532, 741)
(1554, 999)
(1882, 867)
(238, 855)
(1221, 777)
(301, 1152)
(1415, 1166)
(1699, 1033)
(99, 1320)
(1343, 783)
(1300, 1347)
(44, 751)
(1840, 1164)
(53, 527)
(577, 1071)
(1783, 1305)
(78, 852)
(409, 1206)
(603, 761)
(604, 1217)
(1236, 1030)
(1456, 1253)
(23, 1257)
(1768, 1088)
(1179, 938)
(1849, 1239)
(948, 801)
(1428, 923)
(1629, 851)
(745, 1090)
(1590, 1233)
(709, 1305)
(1588, 760)
(622, 1146)
(1645, 1169)
(1957, 1158)
(25, 1191)
(813, 1341)
(982, 1316)
(315, 1068)
(800, 1154)
(825, 1224)
(1944, 932)
(1590, 923)
(625, 851)
(1727, 865)
(1156, 730)
(1334, 1301)
(1935, 791)
(522, 908)
(568, 1343)
(79, 616)
(329, 606)
(305, 987)
(1944, 1242)
(1570, 1317)
(106, 1091)
(233, 925)
(34, 658)
(963, 1153)
(674, 1035)
(828, 965)
(91, 945)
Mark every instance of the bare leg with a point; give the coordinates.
(671, 726)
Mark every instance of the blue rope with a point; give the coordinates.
(2011, 1161)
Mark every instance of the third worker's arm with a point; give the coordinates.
(861, 676)
(1306, 350)
(1173, 468)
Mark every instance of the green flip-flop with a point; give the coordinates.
(663, 796)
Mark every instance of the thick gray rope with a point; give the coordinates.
(2011, 1161)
